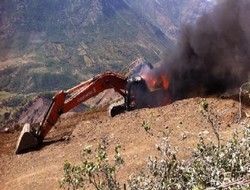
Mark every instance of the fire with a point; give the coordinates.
(158, 86)
(155, 81)
(165, 82)
(151, 81)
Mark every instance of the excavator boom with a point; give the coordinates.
(63, 101)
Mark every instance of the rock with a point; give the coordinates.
(7, 130)
(183, 136)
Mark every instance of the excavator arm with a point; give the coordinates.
(79, 94)
(63, 101)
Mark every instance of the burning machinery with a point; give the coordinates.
(134, 90)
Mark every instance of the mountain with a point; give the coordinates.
(52, 44)
(169, 15)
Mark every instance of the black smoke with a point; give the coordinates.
(213, 54)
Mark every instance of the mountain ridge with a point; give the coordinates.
(71, 41)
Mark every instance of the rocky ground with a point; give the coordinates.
(183, 120)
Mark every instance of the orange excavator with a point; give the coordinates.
(134, 90)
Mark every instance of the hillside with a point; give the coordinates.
(183, 120)
(53, 45)
(169, 16)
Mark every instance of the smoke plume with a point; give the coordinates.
(212, 55)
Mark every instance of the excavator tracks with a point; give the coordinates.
(117, 108)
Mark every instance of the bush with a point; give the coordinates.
(212, 167)
(96, 171)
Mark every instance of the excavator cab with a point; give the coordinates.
(137, 91)
(136, 97)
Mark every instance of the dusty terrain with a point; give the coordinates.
(184, 120)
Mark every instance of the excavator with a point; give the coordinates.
(133, 89)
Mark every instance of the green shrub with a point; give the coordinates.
(204, 104)
(95, 170)
(213, 167)
(145, 125)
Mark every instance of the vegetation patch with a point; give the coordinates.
(212, 166)
(11, 107)
(5, 95)
(97, 169)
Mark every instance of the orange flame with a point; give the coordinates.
(165, 82)
(156, 82)
(151, 81)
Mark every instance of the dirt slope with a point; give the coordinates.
(184, 119)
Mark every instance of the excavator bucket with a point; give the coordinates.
(26, 140)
